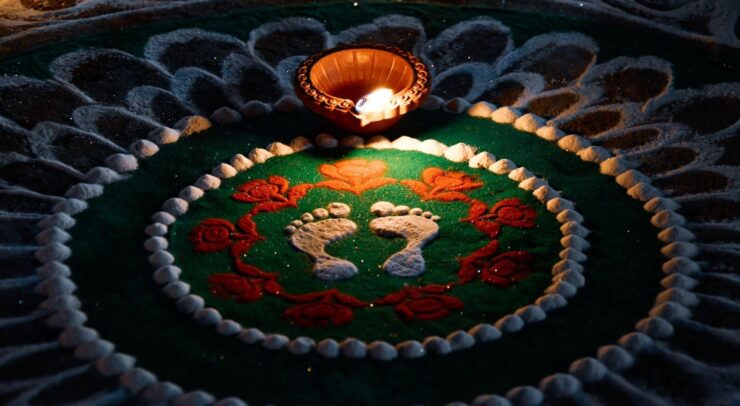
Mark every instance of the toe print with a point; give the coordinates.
(416, 226)
(315, 231)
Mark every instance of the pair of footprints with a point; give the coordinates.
(316, 230)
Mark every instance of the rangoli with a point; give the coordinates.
(556, 224)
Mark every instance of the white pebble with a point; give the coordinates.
(460, 340)
(549, 133)
(482, 160)
(259, 155)
(156, 229)
(300, 144)
(560, 386)
(352, 141)
(328, 348)
(382, 350)
(519, 174)
(460, 152)
(573, 143)
(241, 163)
(504, 115)
(154, 244)
(224, 171)
(353, 348)
(163, 217)
(510, 323)
(631, 178)
(164, 135)
(614, 166)
(191, 194)
(437, 345)
(588, 370)
(275, 341)
(279, 149)
(615, 357)
(166, 274)
(502, 167)
(325, 140)
(531, 313)
(594, 154)
(411, 349)
(114, 364)
(122, 162)
(551, 302)
(208, 182)
(300, 345)
(485, 332)
(144, 149)
(251, 336)
(405, 143)
(432, 147)
(207, 316)
(378, 142)
(190, 125)
(189, 304)
(529, 123)
(481, 109)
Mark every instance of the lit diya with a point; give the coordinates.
(363, 88)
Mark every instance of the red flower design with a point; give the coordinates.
(270, 195)
(502, 269)
(236, 287)
(425, 303)
(259, 190)
(354, 175)
(321, 309)
(443, 185)
(214, 234)
(512, 212)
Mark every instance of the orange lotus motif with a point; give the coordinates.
(443, 185)
(354, 175)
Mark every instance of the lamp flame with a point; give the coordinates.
(377, 100)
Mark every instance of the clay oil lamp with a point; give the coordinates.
(362, 88)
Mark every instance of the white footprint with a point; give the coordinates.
(315, 231)
(416, 226)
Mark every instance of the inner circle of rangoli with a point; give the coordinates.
(344, 202)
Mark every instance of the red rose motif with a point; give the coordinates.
(321, 309)
(512, 212)
(319, 314)
(443, 185)
(354, 175)
(424, 303)
(214, 234)
(429, 307)
(502, 270)
(236, 287)
(259, 190)
(270, 195)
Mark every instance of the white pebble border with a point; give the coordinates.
(672, 304)
(567, 273)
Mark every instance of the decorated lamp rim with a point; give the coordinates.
(412, 94)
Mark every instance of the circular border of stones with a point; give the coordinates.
(567, 273)
(673, 303)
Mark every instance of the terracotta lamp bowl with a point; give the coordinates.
(362, 88)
